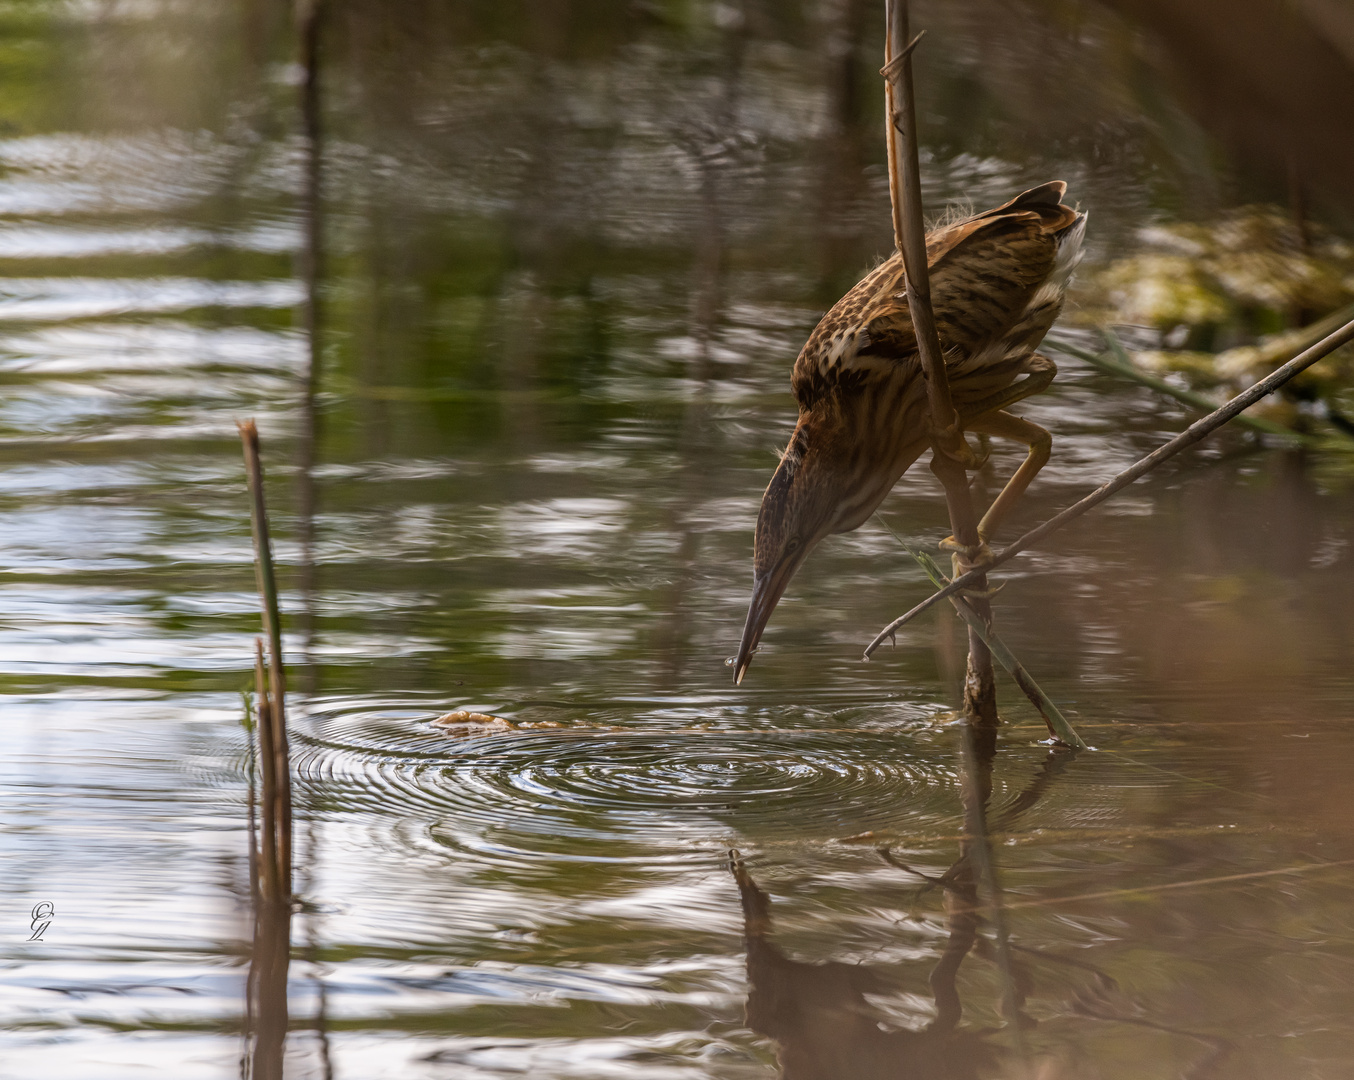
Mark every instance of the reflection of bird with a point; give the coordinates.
(997, 284)
(824, 1022)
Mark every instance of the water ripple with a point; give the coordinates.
(620, 795)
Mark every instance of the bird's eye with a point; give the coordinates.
(792, 544)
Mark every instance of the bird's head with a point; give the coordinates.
(802, 505)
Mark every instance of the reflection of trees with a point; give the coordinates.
(712, 143)
(821, 1015)
(1264, 77)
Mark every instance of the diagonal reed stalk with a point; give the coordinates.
(1058, 726)
(1196, 432)
(1117, 363)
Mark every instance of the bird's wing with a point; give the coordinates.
(983, 273)
(984, 270)
(984, 280)
(1044, 200)
(851, 347)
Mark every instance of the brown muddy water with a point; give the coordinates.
(571, 250)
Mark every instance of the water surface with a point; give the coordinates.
(570, 255)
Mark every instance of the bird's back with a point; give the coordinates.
(997, 282)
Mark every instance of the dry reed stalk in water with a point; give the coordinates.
(267, 856)
(275, 746)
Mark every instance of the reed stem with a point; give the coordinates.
(274, 747)
(1058, 725)
(947, 440)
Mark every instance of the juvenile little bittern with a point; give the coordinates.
(997, 284)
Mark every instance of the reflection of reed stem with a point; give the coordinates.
(310, 270)
(979, 749)
(980, 693)
(251, 774)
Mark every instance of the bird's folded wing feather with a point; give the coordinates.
(983, 271)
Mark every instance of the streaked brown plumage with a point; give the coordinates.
(997, 285)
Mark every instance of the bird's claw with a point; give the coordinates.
(977, 458)
(962, 452)
(966, 557)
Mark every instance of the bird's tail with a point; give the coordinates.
(1069, 251)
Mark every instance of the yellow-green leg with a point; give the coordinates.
(1040, 443)
(987, 418)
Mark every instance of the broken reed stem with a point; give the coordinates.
(1058, 725)
(268, 876)
(947, 440)
(1196, 432)
(274, 747)
(251, 776)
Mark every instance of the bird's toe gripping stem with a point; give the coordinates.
(953, 445)
(966, 557)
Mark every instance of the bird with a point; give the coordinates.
(998, 280)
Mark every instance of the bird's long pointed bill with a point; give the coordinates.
(766, 592)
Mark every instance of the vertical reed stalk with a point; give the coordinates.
(311, 16)
(947, 440)
(266, 1008)
(268, 876)
(274, 747)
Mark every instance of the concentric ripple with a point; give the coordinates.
(618, 795)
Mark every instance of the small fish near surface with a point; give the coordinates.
(466, 724)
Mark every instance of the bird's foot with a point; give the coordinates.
(961, 451)
(966, 557)
(977, 458)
